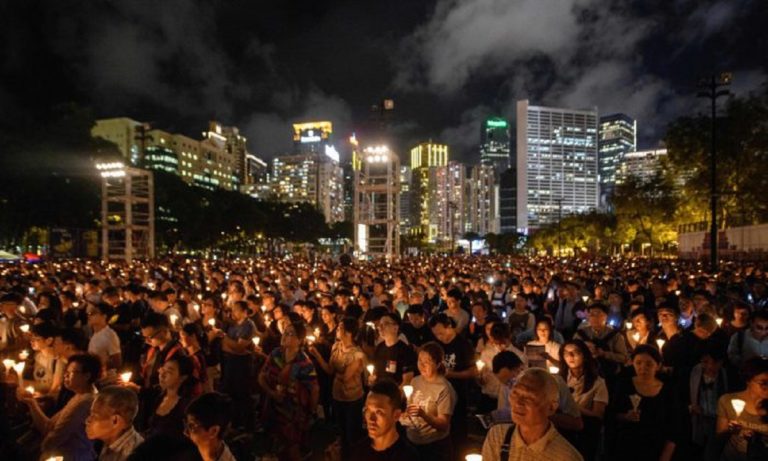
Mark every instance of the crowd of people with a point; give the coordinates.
(424, 358)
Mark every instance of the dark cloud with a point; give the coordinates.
(447, 63)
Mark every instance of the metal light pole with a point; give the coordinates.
(710, 88)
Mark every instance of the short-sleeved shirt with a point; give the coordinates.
(345, 391)
(244, 330)
(551, 447)
(437, 398)
(459, 356)
(392, 362)
(104, 343)
(737, 445)
(598, 392)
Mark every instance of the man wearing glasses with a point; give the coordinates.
(157, 334)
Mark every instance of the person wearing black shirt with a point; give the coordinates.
(416, 330)
(383, 408)
(392, 358)
(460, 371)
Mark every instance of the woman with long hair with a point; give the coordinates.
(737, 428)
(588, 390)
(346, 366)
(177, 386)
(543, 331)
(290, 382)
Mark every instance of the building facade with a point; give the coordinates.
(483, 203)
(643, 165)
(494, 144)
(122, 132)
(617, 137)
(377, 203)
(556, 164)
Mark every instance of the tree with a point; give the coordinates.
(647, 208)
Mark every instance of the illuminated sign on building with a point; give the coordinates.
(312, 131)
(496, 123)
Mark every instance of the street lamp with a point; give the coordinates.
(710, 88)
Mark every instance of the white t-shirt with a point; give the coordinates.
(598, 393)
(104, 344)
(438, 398)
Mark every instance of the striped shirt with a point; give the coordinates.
(551, 447)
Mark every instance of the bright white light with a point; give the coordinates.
(332, 153)
(113, 174)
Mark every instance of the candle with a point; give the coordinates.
(263, 308)
(635, 399)
(30, 389)
(719, 321)
(200, 297)
(480, 365)
(473, 457)
(126, 377)
(24, 328)
(636, 336)
(628, 324)
(660, 343)
(196, 307)
(738, 406)
(554, 370)
(8, 364)
(212, 322)
(55, 458)
(24, 355)
(317, 332)
(256, 340)
(370, 324)
(310, 339)
(174, 319)
(585, 298)
(370, 369)
(408, 390)
(19, 368)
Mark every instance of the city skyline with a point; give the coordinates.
(177, 65)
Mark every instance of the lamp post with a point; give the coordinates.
(710, 88)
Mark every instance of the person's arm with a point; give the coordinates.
(41, 422)
(439, 422)
(597, 410)
(618, 353)
(320, 360)
(667, 451)
(64, 428)
(407, 377)
(239, 346)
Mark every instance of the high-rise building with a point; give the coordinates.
(617, 137)
(643, 165)
(483, 204)
(508, 201)
(312, 137)
(159, 152)
(494, 144)
(406, 221)
(556, 163)
(426, 216)
(122, 132)
(316, 179)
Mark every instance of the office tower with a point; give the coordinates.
(494, 144)
(556, 163)
(617, 137)
(483, 203)
(643, 165)
(122, 132)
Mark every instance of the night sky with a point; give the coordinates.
(261, 65)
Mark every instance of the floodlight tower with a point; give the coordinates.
(127, 212)
(376, 202)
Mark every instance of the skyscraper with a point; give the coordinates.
(556, 163)
(643, 165)
(617, 137)
(429, 203)
(494, 144)
(483, 206)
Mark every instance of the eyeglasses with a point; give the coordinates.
(152, 336)
(762, 384)
(190, 426)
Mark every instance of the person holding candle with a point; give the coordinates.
(428, 413)
(111, 422)
(416, 329)
(290, 382)
(651, 427)
(64, 432)
(392, 358)
(642, 328)
(346, 367)
(580, 371)
(47, 371)
(707, 383)
(739, 416)
(193, 339)
(237, 363)
(155, 328)
(460, 370)
(533, 399)
(104, 343)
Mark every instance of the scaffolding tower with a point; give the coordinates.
(377, 203)
(127, 212)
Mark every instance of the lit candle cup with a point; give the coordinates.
(8, 364)
(738, 406)
(30, 390)
(480, 365)
(212, 322)
(628, 324)
(719, 321)
(585, 298)
(256, 340)
(370, 324)
(310, 339)
(636, 336)
(196, 307)
(174, 319)
(370, 369)
(126, 377)
(408, 391)
(24, 328)
(55, 458)
(473, 457)
(660, 343)
(554, 370)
